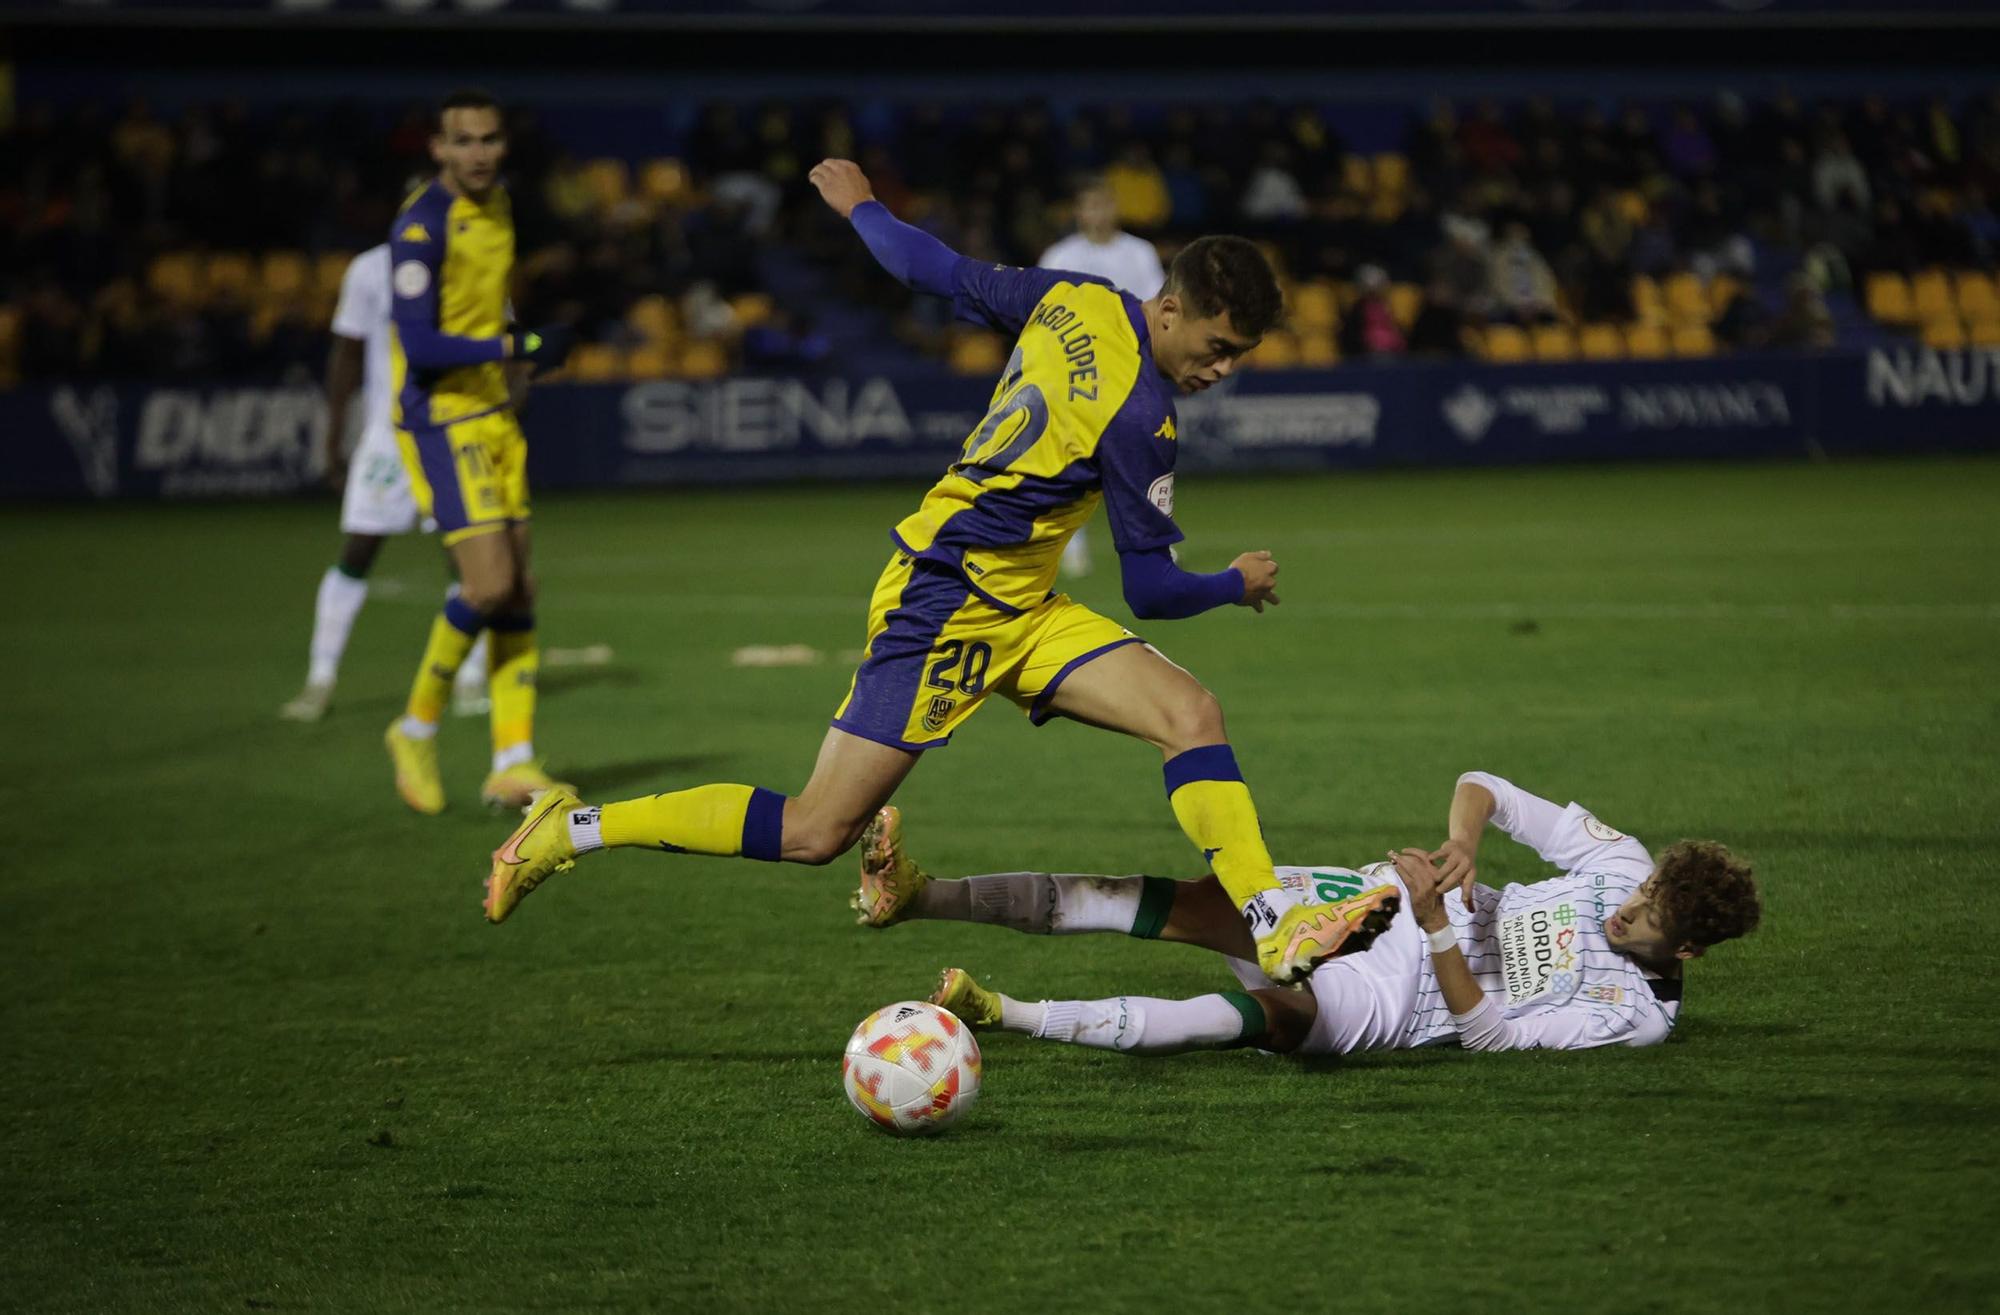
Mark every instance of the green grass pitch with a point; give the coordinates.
(260, 1051)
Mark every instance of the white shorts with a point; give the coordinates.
(1367, 1001)
(378, 498)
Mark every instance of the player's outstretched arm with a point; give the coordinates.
(917, 259)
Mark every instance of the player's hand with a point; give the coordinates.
(1457, 866)
(1260, 580)
(841, 185)
(1420, 879)
(545, 348)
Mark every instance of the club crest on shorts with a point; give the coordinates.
(940, 711)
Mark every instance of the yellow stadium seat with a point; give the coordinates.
(1601, 342)
(10, 346)
(328, 271)
(654, 318)
(1554, 342)
(1318, 351)
(1404, 301)
(608, 181)
(752, 309)
(652, 361)
(705, 359)
(1386, 207)
(284, 275)
(1694, 340)
(1314, 306)
(664, 181)
(229, 272)
(1632, 205)
(1392, 173)
(1687, 300)
(976, 354)
(1645, 342)
(1355, 175)
(1946, 335)
(1888, 297)
(1984, 332)
(1648, 306)
(175, 278)
(1506, 343)
(1722, 290)
(595, 362)
(1278, 351)
(1977, 297)
(1930, 296)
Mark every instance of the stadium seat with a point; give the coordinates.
(664, 181)
(1930, 297)
(1601, 342)
(284, 275)
(1722, 290)
(1355, 175)
(1404, 301)
(1946, 335)
(1687, 300)
(328, 270)
(10, 346)
(1648, 306)
(976, 354)
(751, 309)
(1645, 342)
(706, 359)
(1976, 295)
(1318, 351)
(1392, 173)
(1507, 343)
(654, 319)
(1632, 205)
(1386, 207)
(1984, 332)
(1888, 298)
(608, 180)
(174, 278)
(1694, 340)
(652, 361)
(229, 272)
(1554, 342)
(1278, 351)
(1313, 307)
(596, 362)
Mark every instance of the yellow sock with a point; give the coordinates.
(1213, 807)
(449, 643)
(709, 819)
(516, 660)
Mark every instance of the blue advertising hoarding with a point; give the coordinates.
(105, 441)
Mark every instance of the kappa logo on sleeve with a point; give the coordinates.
(415, 233)
(1166, 430)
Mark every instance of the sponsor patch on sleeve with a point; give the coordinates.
(1598, 831)
(413, 278)
(1161, 494)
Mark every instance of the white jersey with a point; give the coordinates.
(1538, 950)
(363, 314)
(1131, 263)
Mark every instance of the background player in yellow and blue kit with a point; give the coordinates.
(451, 252)
(1084, 413)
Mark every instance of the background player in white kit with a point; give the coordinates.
(1592, 957)
(375, 501)
(1132, 264)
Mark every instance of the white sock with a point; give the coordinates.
(1040, 903)
(339, 602)
(586, 830)
(418, 729)
(1139, 1024)
(513, 755)
(472, 671)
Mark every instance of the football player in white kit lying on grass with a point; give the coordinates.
(1591, 957)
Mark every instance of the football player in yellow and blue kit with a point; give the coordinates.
(451, 251)
(1084, 413)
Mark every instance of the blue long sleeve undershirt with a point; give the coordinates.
(914, 257)
(427, 349)
(1158, 590)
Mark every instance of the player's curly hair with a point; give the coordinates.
(1707, 895)
(1216, 273)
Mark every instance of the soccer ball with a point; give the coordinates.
(911, 1067)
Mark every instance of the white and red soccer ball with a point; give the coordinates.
(912, 1068)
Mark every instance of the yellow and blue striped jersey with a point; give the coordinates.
(1081, 415)
(451, 258)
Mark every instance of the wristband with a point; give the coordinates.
(1444, 938)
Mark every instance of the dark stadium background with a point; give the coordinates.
(259, 1052)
